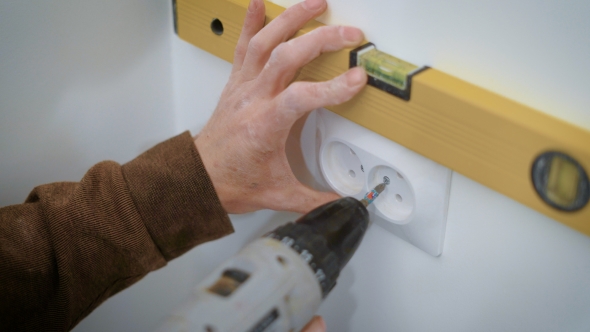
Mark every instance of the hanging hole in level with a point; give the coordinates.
(399, 198)
(217, 27)
(352, 174)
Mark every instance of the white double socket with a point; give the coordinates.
(351, 160)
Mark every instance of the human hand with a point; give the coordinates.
(243, 144)
(317, 324)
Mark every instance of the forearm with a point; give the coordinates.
(72, 245)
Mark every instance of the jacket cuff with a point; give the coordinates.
(175, 196)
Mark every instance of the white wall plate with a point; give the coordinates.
(352, 160)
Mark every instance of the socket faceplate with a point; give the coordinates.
(413, 207)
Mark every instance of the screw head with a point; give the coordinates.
(386, 180)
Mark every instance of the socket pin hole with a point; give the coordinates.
(217, 27)
(399, 198)
(352, 174)
(399, 175)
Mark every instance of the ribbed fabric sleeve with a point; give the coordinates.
(171, 201)
(72, 245)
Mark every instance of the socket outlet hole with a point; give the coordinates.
(342, 168)
(396, 203)
(217, 27)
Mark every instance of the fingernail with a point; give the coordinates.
(253, 5)
(356, 76)
(313, 4)
(322, 323)
(317, 325)
(351, 34)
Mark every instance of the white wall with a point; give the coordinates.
(81, 82)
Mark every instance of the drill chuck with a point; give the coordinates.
(326, 238)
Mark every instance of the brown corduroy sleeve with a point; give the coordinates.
(72, 245)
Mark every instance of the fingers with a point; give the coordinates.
(288, 57)
(253, 23)
(278, 31)
(302, 97)
(317, 324)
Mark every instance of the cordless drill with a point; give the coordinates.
(277, 282)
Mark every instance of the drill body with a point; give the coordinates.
(277, 282)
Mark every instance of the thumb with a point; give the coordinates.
(306, 199)
(317, 324)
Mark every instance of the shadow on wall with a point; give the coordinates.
(303, 153)
(79, 82)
